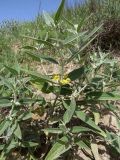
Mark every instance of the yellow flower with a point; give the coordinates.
(56, 77)
(65, 81)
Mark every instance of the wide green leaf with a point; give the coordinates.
(60, 147)
(79, 129)
(82, 144)
(17, 132)
(76, 73)
(69, 112)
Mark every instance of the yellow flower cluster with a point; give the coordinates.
(63, 81)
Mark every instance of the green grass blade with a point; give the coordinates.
(59, 12)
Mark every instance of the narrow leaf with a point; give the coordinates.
(81, 115)
(58, 149)
(3, 126)
(79, 129)
(59, 12)
(74, 37)
(53, 130)
(87, 39)
(29, 47)
(29, 144)
(37, 75)
(38, 57)
(82, 49)
(82, 145)
(48, 19)
(104, 96)
(39, 40)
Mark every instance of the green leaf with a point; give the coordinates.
(10, 146)
(38, 84)
(53, 130)
(37, 76)
(113, 140)
(11, 69)
(81, 115)
(103, 96)
(70, 23)
(79, 129)
(29, 101)
(3, 126)
(17, 132)
(48, 19)
(66, 105)
(76, 73)
(13, 127)
(111, 107)
(39, 41)
(92, 32)
(26, 116)
(65, 90)
(58, 149)
(88, 39)
(74, 37)
(29, 144)
(83, 21)
(69, 112)
(5, 103)
(38, 57)
(82, 145)
(59, 12)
